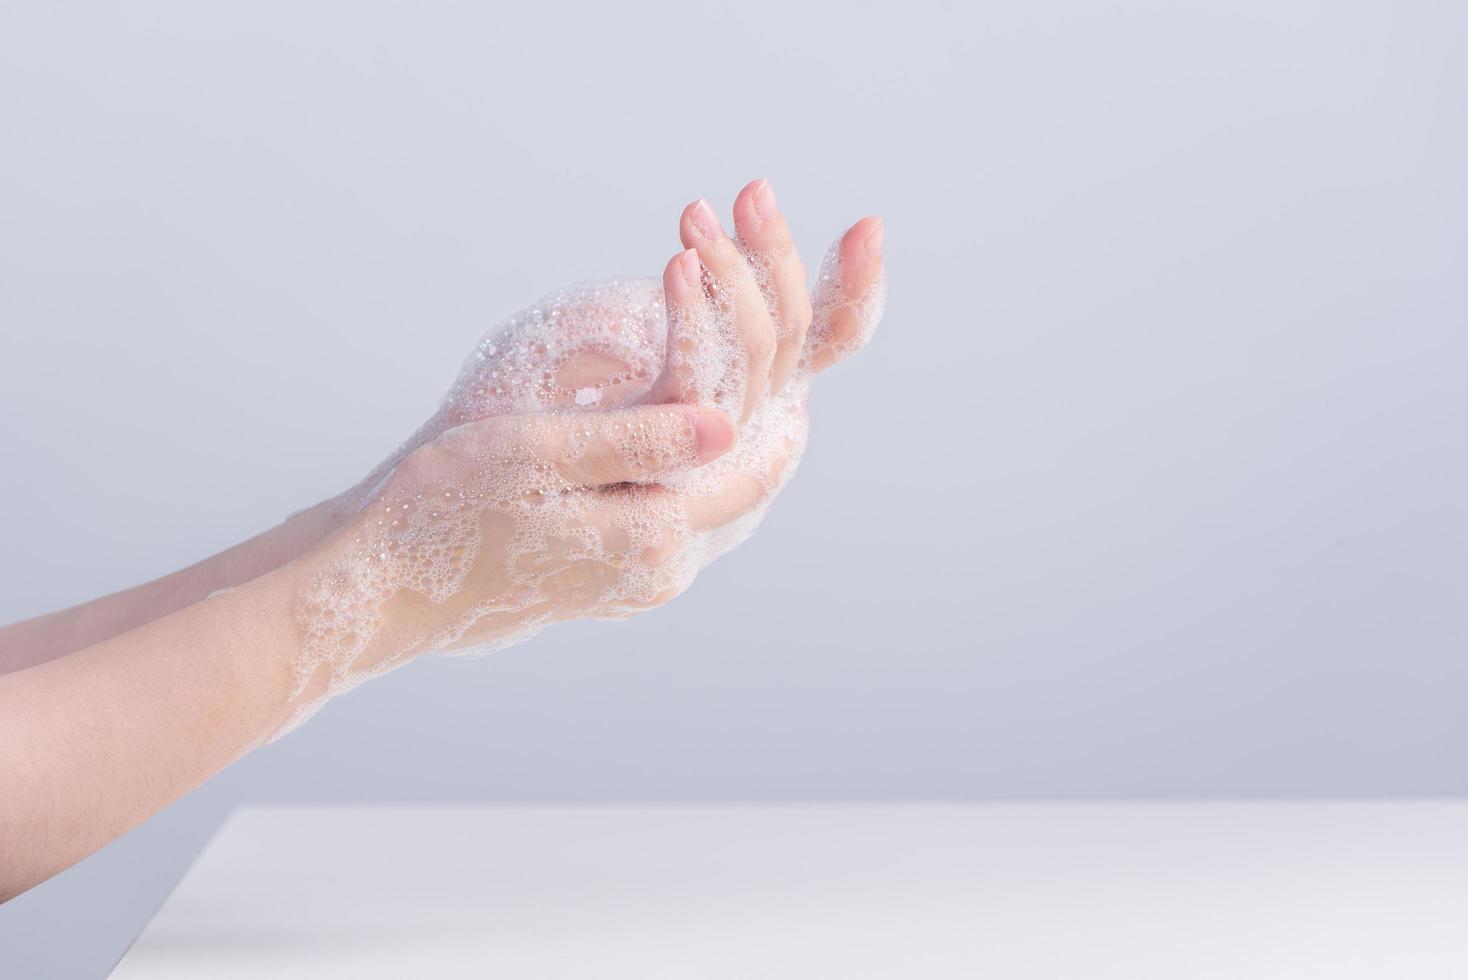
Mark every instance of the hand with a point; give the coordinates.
(586, 462)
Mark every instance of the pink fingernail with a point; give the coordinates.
(873, 243)
(764, 201)
(706, 221)
(713, 434)
(691, 270)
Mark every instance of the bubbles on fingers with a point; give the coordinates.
(704, 353)
(841, 323)
(520, 365)
(515, 368)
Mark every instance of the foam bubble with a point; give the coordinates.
(466, 541)
(841, 325)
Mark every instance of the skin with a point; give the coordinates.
(111, 710)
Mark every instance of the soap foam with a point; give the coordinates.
(831, 306)
(477, 543)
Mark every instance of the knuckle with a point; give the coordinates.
(727, 256)
(580, 468)
(596, 463)
(426, 464)
(618, 450)
(761, 344)
(549, 442)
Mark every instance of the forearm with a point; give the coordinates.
(57, 634)
(92, 744)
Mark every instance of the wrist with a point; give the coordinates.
(267, 662)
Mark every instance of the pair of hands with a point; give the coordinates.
(596, 451)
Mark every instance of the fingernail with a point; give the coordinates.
(873, 243)
(713, 434)
(764, 201)
(706, 221)
(691, 270)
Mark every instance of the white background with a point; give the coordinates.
(1153, 484)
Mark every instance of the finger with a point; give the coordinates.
(849, 296)
(690, 342)
(736, 294)
(741, 494)
(634, 445)
(766, 241)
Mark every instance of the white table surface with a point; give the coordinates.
(1177, 891)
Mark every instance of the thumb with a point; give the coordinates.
(633, 445)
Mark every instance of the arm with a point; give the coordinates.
(35, 641)
(92, 744)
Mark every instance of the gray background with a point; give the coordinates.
(1154, 482)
